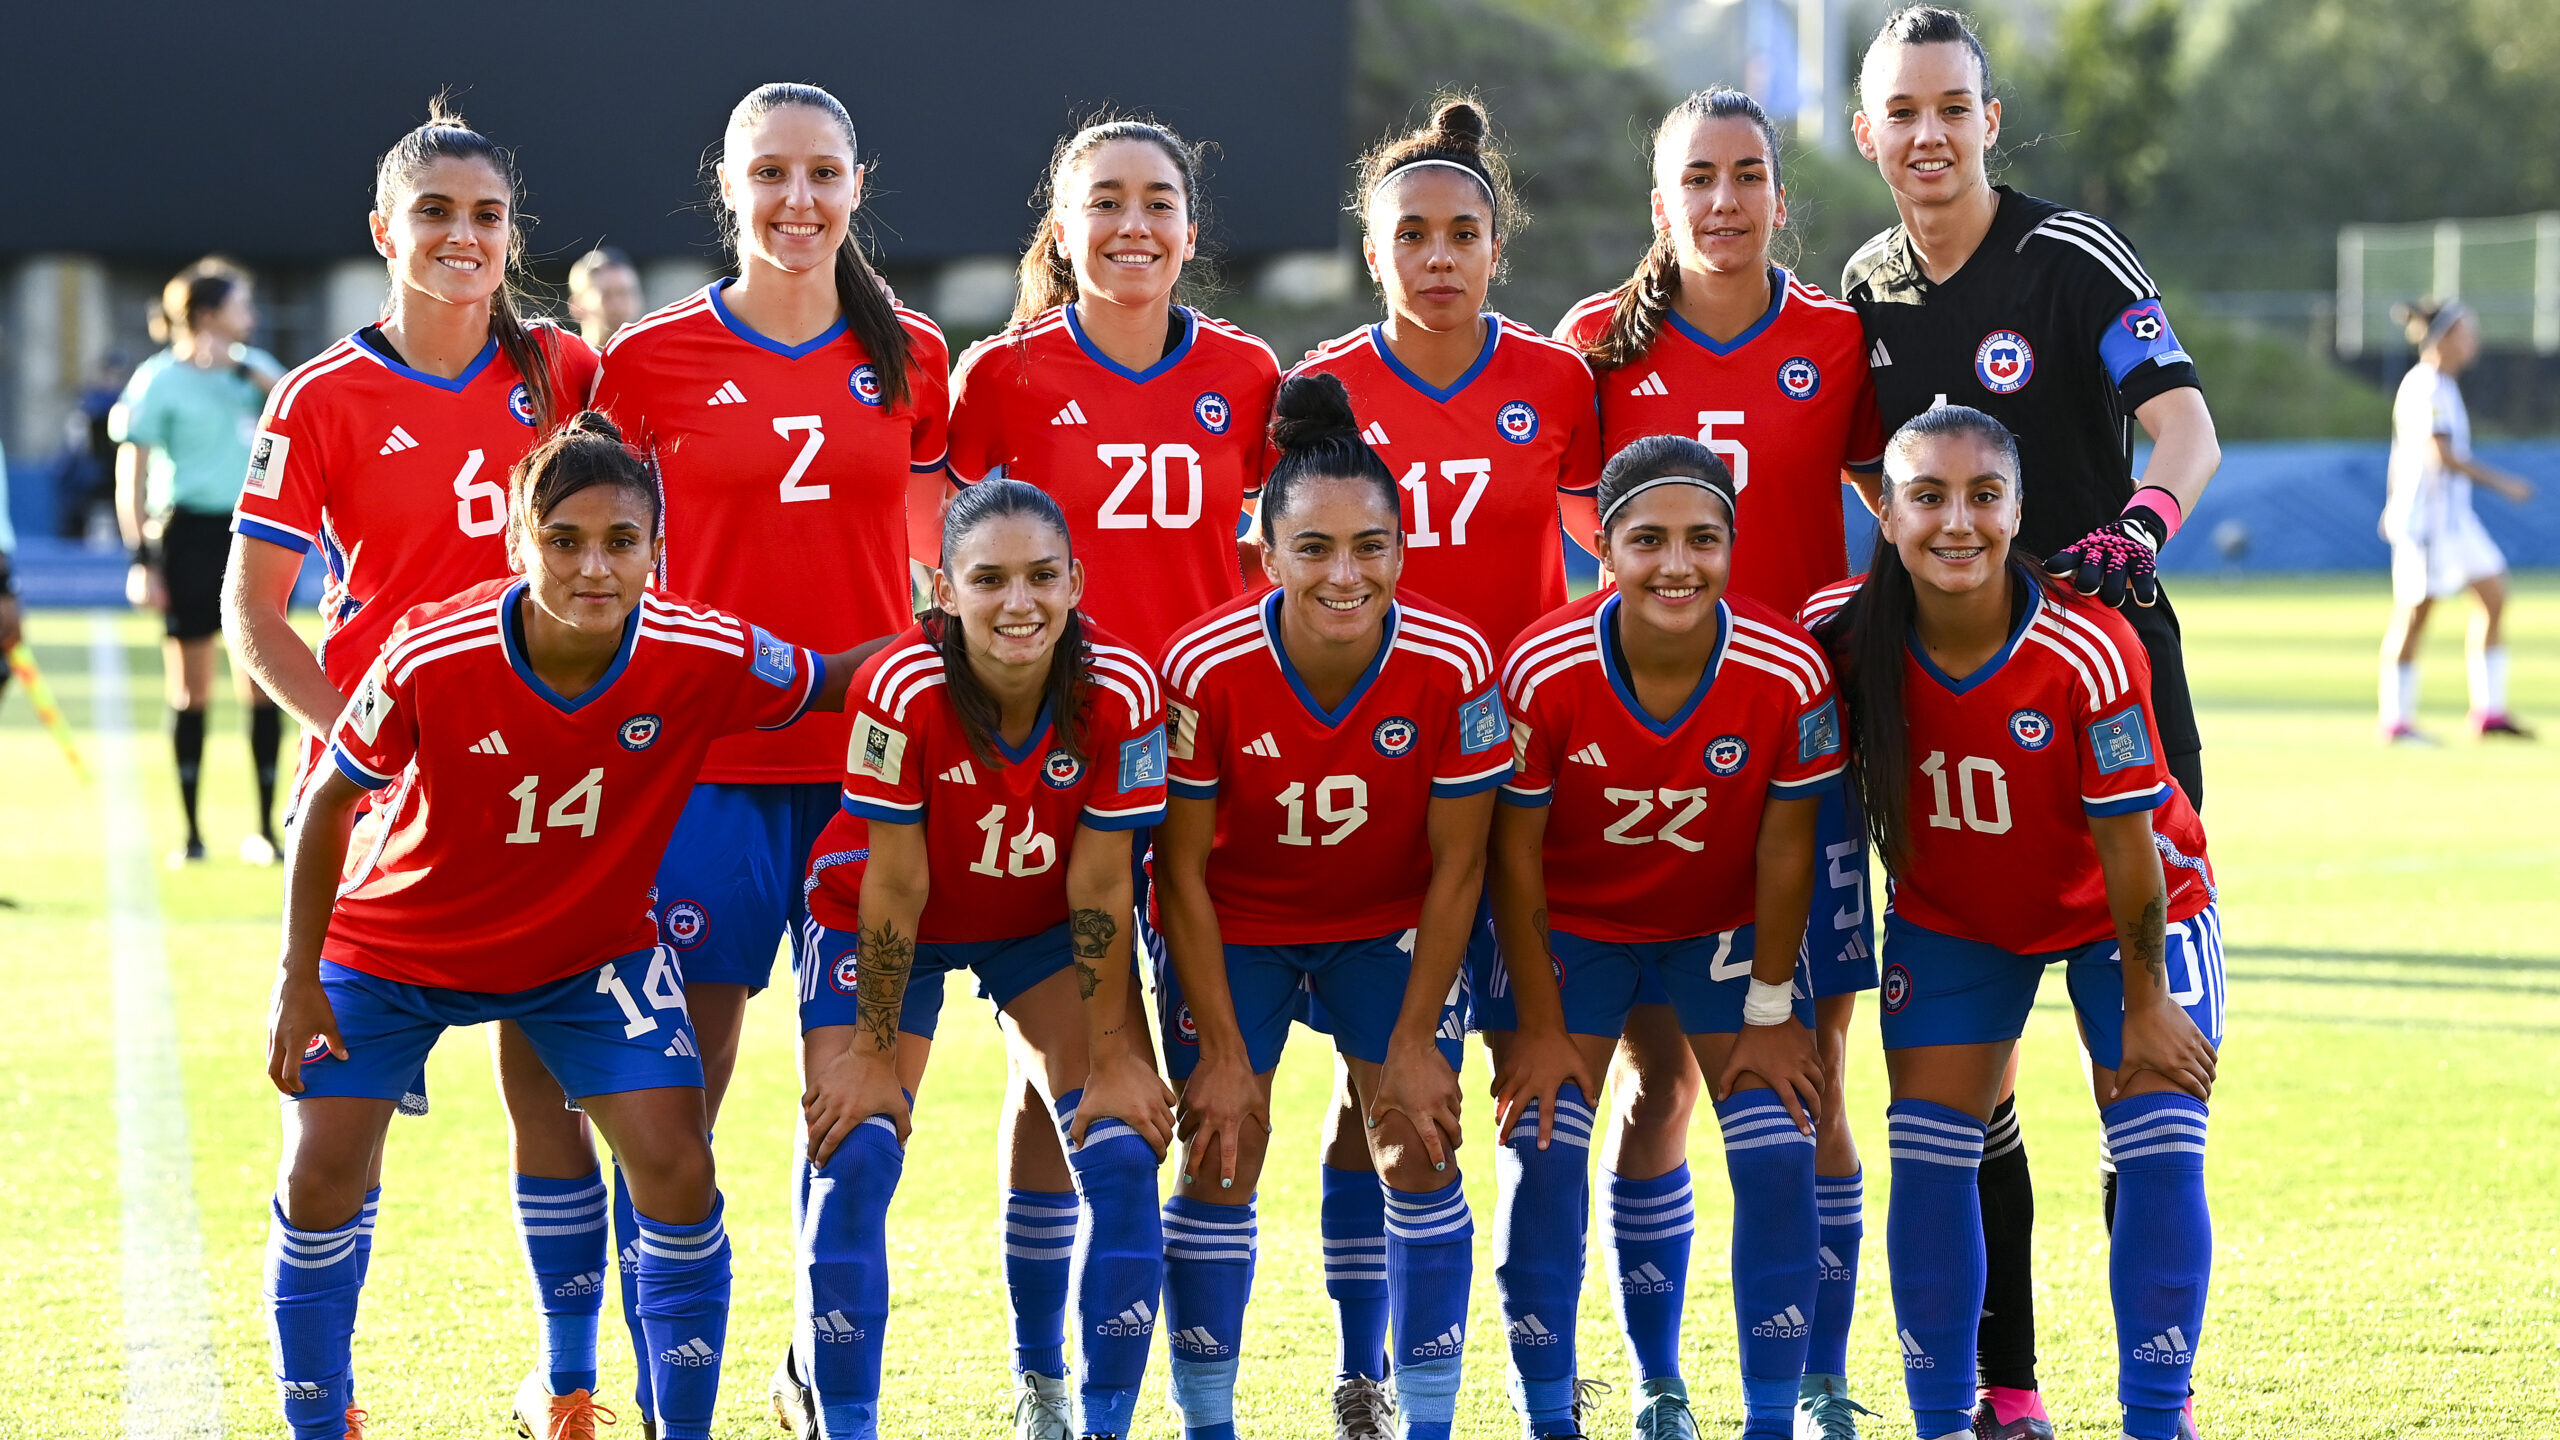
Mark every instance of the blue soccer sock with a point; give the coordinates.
(684, 1313)
(1776, 1274)
(364, 1232)
(844, 1271)
(1933, 1242)
(2162, 1254)
(562, 1224)
(1430, 1267)
(1354, 1224)
(1840, 1203)
(1208, 1276)
(1039, 1243)
(1540, 1230)
(313, 1279)
(1650, 1224)
(1118, 1272)
(626, 1264)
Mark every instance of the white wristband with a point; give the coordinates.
(1768, 1004)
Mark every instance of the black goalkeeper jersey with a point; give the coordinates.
(2053, 328)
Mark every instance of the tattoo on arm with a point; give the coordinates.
(1093, 932)
(2151, 939)
(880, 984)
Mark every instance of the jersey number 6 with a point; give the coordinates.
(470, 493)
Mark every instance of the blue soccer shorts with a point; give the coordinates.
(1945, 990)
(1704, 979)
(1356, 985)
(1004, 970)
(728, 889)
(621, 1026)
(1840, 933)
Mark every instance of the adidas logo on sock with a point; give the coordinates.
(627, 1259)
(591, 1283)
(492, 743)
(1589, 755)
(1877, 359)
(1450, 1343)
(834, 1329)
(1138, 1319)
(1196, 1340)
(1530, 1330)
(399, 440)
(1072, 415)
(682, 1047)
(1913, 1357)
(2169, 1347)
(693, 1352)
(1651, 384)
(1376, 434)
(302, 1390)
(1645, 1279)
(727, 394)
(1787, 1324)
(960, 774)
(1264, 746)
(1833, 1267)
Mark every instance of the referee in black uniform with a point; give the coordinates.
(2043, 317)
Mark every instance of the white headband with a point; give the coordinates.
(1465, 170)
(1701, 482)
(2441, 326)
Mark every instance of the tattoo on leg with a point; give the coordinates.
(1093, 932)
(2151, 939)
(880, 984)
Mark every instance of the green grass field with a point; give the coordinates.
(2385, 1170)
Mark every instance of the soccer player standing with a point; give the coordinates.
(2043, 318)
(2014, 782)
(1327, 739)
(1712, 338)
(1005, 752)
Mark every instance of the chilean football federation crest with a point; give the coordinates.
(1394, 736)
(686, 924)
(1518, 422)
(1213, 412)
(1185, 1029)
(520, 405)
(315, 1048)
(846, 973)
(2032, 729)
(638, 733)
(1727, 754)
(1897, 989)
(2004, 362)
(1800, 378)
(864, 382)
(1061, 770)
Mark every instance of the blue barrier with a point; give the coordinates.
(68, 574)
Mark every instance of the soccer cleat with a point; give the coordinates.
(355, 1423)
(2187, 1421)
(541, 1415)
(2498, 725)
(1987, 1426)
(1662, 1411)
(191, 853)
(1362, 1410)
(2409, 735)
(794, 1408)
(1586, 1399)
(1040, 1407)
(1824, 1410)
(257, 850)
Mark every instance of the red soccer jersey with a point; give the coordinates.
(1787, 403)
(2007, 762)
(516, 832)
(1654, 825)
(399, 477)
(1481, 463)
(1323, 816)
(786, 477)
(998, 833)
(1151, 466)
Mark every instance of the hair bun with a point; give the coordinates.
(1311, 410)
(1458, 125)
(595, 422)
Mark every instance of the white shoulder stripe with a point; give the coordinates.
(1196, 668)
(1456, 633)
(690, 637)
(1200, 642)
(290, 389)
(1739, 655)
(1416, 642)
(1526, 687)
(2106, 237)
(481, 640)
(2110, 652)
(918, 321)
(2039, 635)
(2106, 670)
(1803, 651)
(1535, 649)
(478, 616)
(1212, 325)
(1128, 693)
(694, 304)
(897, 706)
(2101, 245)
(1126, 665)
(893, 671)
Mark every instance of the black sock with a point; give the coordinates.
(266, 737)
(186, 736)
(2006, 1344)
(2107, 1197)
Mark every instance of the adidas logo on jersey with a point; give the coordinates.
(1787, 1324)
(1877, 359)
(1196, 1340)
(1651, 384)
(1264, 746)
(960, 774)
(302, 1390)
(727, 394)
(1376, 434)
(1072, 415)
(834, 1329)
(1138, 1319)
(492, 743)
(2170, 1347)
(398, 441)
(681, 1048)
(1913, 1357)
(591, 1283)
(1452, 1341)
(1529, 1330)
(1588, 755)
(692, 1353)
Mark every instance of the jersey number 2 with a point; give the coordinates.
(793, 487)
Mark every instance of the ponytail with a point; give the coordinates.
(1046, 279)
(1636, 321)
(1064, 692)
(1865, 639)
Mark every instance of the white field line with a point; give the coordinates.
(172, 1385)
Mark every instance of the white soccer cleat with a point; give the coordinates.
(1040, 1408)
(1362, 1410)
(1824, 1410)
(794, 1408)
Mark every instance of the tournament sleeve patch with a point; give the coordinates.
(1818, 734)
(1183, 724)
(876, 750)
(776, 662)
(2121, 741)
(1142, 761)
(266, 464)
(2138, 336)
(365, 711)
(1481, 724)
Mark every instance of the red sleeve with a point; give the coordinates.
(288, 484)
(1862, 446)
(573, 369)
(885, 763)
(620, 389)
(1129, 746)
(1192, 747)
(2121, 768)
(977, 444)
(1533, 771)
(1814, 756)
(1579, 471)
(1475, 751)
(929, 387)
(377, 734)
(772, 682)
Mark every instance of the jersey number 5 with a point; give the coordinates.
(1736, 459)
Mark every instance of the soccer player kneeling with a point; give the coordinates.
(2016, 718)
(528, 745)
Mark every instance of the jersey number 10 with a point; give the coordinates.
(1969, 773)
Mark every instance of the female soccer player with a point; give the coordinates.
(1328, 740)
(527, 745)
(1672, 743)
(1710, 335)
(1145, 418)
(2015, 716)
(1004, 753)
(787, 409)
(1488, 428)
(2438, 548)
(184, 423)
(390, 451)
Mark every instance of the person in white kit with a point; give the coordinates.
(2438, 546)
